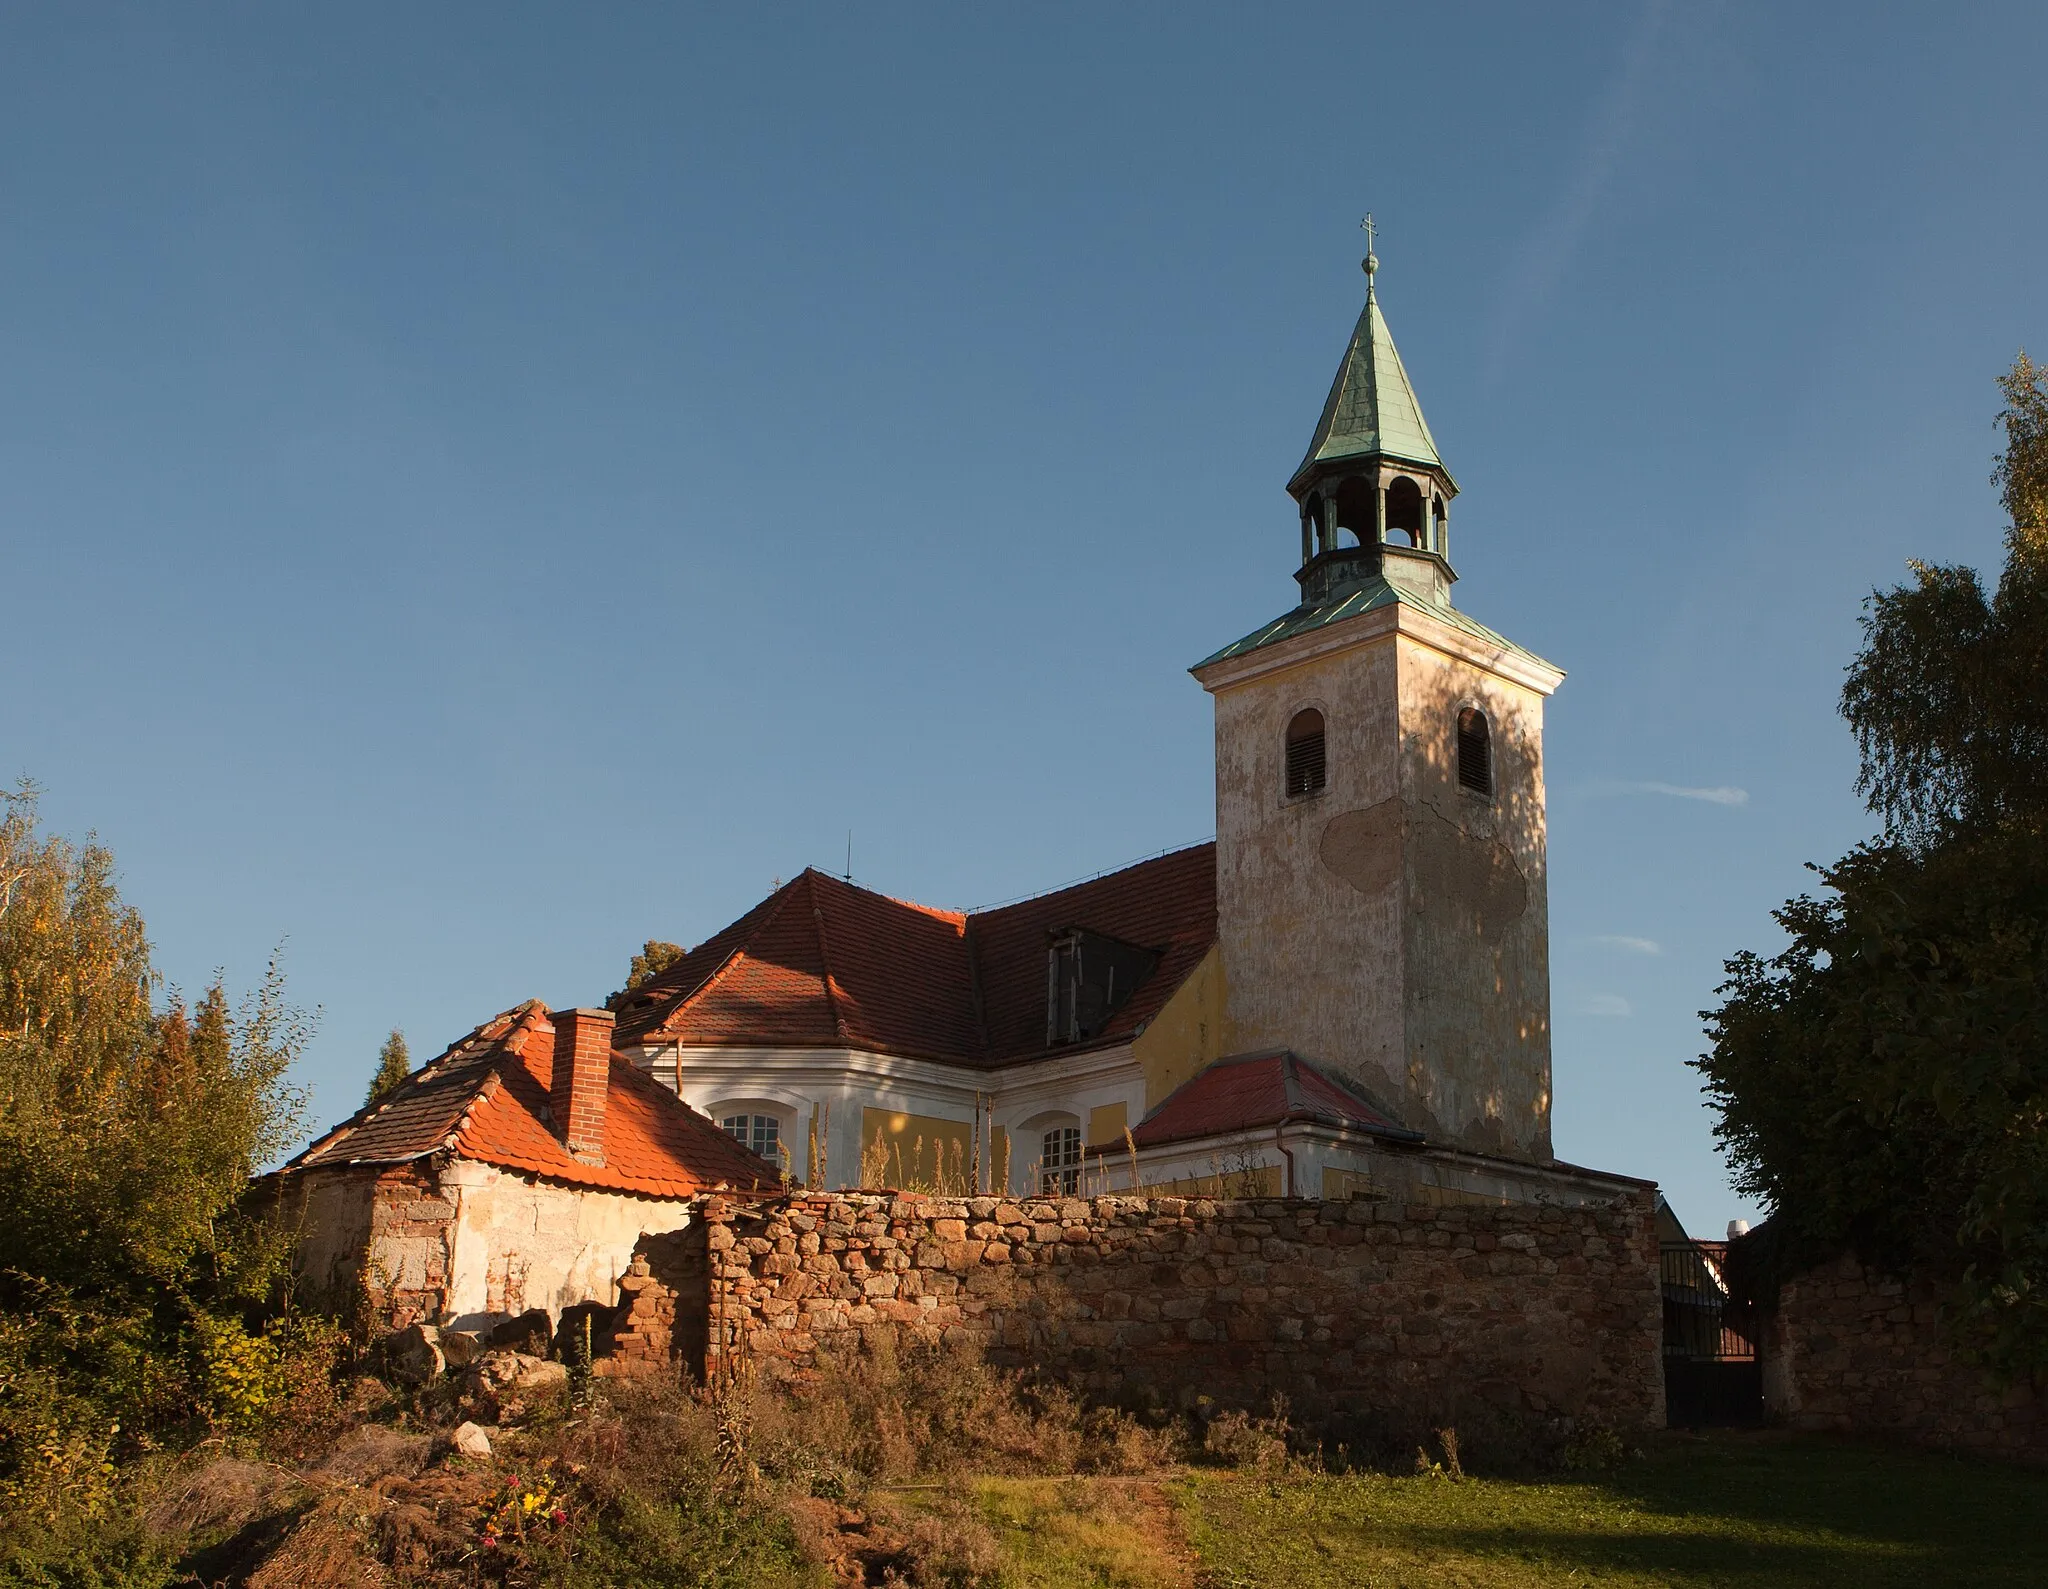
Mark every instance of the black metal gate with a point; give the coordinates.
(1711, 1370)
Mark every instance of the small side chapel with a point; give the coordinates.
(1346, 992)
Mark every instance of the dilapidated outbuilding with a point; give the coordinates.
(517, 1170)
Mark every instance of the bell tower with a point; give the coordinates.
(1381, 891)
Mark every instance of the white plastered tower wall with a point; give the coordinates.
(1476, 907)
(1392, 926)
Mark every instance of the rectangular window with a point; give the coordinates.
(759, 1132)
(1059, 1167)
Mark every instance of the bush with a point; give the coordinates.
(886, 1414)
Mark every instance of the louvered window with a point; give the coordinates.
(1475, 752)
(1306, 772)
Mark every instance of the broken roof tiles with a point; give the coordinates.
(486, 1099)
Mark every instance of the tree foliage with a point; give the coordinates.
(1883, 1082)
(654, 958)
(394, 1064)
(128, 1133)
(1949, 697)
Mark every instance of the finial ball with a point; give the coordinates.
(1370, 263)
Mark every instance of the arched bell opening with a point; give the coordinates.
(1357, 512)
(1404, 514)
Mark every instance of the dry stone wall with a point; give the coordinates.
(1342, 1306)
(1855, 1350)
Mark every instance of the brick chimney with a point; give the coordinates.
(583, 1062)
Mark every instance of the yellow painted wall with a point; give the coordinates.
(1188, 1035)
(921, 1152)
(1106, 1125)
(1350, 1183)
(1260, 1181)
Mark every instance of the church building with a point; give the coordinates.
(1347, 992)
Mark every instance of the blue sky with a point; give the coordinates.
(482, 486)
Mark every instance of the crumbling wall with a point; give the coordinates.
(1852, 1349)
(463, 1244)
(372, 1236)
(1543, 1311)
(521, 1242)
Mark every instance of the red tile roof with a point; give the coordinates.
(1260, 1090)
(824, 963)
(486, 1098)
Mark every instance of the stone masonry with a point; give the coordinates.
(1360, 1305)
(1855, 1350)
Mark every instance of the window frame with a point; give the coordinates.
(1319, 736)
(1060, 1156)
(1489, 782)
(766, 1145)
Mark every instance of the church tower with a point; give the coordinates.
(1381, 896)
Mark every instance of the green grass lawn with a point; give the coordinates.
(1735, 1510)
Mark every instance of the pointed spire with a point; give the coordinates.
(1372, 411)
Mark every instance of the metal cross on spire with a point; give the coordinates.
(1371, 260)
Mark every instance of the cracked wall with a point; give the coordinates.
(1393, 926)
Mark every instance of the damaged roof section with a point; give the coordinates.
(487, 1098)
(824, 963)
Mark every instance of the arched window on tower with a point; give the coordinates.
(1475, 752)
(1404, 513)
(1306, 770)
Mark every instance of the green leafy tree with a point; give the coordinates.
(654, 958)
(394, 1065)
(1883, 1082)
(128, 1134)
(1949, 697)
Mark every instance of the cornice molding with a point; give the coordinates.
(1370, 628)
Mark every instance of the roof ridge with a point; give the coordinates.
(414, 1081)
(958, 918)
(1290, 1082)
(825, 962)
(733, 956)
(1093, 877)
(977, 999)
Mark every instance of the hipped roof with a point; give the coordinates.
(1261, 1090)
(486, 1098)
(822, 962)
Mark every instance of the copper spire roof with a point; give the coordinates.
(1372, 411)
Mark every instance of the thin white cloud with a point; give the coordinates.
(1544, 257)
(1608, 1004)
(1635, 946)
(1716, 794)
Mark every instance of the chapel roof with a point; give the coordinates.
(1261, 1090)
(486, 1098)
(825, 963)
